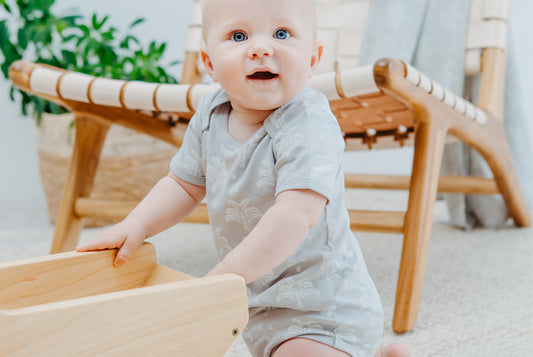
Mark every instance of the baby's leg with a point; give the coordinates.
(304, 347)
(396, 349)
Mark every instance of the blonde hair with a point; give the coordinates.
(204, 4)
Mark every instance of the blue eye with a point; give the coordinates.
(282, 34)
(238, 36)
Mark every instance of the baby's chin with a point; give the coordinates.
(267, 107)
(265, 104)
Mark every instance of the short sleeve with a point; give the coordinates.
(187, 163)
(308, 149)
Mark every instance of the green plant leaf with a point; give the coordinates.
(84, 29)
(94, 21)
(8, 49)
(101, 23)
(24, 103)
(70, 57)
(126, 41)
(69, 38)
(136, 22)
(4, 35)
(161, 49)
(5, 69)
(108, 36)
(22, 38)
(70, 20)
(12, 93)
(44, 5)
(5, 6)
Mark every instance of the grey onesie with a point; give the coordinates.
(323, 290)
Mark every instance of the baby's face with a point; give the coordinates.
(262, 52)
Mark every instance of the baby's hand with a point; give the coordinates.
(128, 236)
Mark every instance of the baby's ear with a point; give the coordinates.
(208, 65)
(317, 54)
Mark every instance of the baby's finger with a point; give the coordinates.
(107, 240)
(125, 252)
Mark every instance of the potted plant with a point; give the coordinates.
(31, 30)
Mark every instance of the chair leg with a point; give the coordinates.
(501, 164)
(429, 145)
(90, 137)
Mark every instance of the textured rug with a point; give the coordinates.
(478, 290)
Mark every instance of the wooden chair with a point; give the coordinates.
(387, 104)
(78, 304)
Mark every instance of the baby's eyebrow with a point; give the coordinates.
(284, 20)
(232, 25)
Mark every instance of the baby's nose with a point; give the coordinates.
(259, 49)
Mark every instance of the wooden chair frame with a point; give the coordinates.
(421, 106)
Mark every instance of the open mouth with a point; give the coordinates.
(263, 75)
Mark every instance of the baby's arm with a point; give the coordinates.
(277, 234)
(169, 202)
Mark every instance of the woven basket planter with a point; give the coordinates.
(131, 163)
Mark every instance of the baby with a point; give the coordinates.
(266, 152)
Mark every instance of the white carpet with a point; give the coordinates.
(478, 292)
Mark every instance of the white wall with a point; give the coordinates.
(167, 21)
